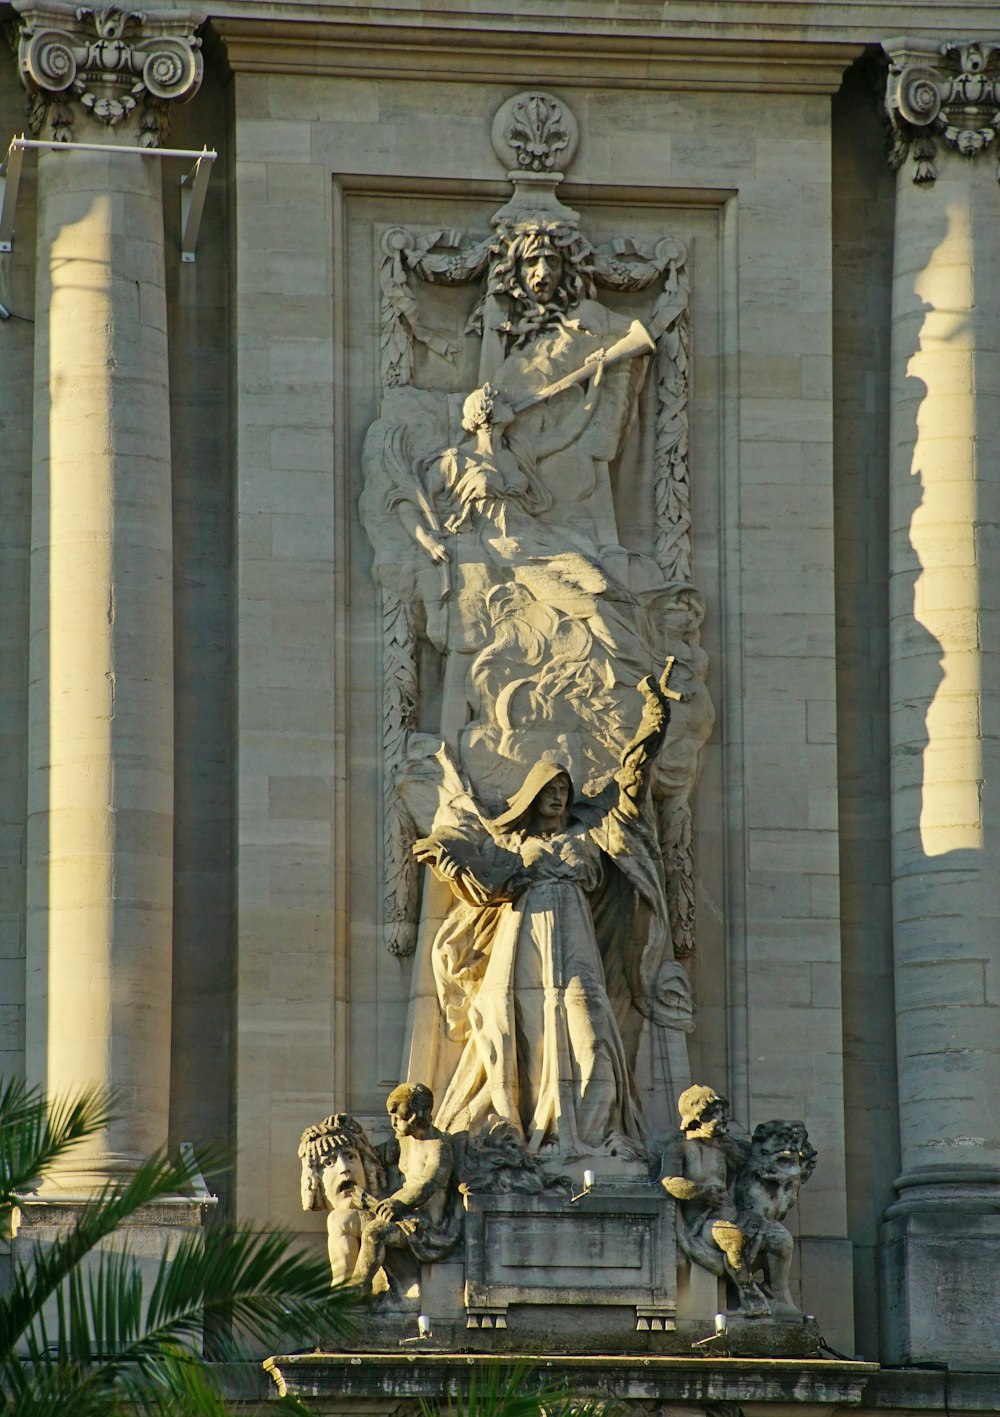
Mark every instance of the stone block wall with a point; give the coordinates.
(763, 153)
(322, 165)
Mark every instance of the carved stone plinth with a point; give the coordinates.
(613, 1247)
(639, 1383)
(940, 1249)
(151, 1235)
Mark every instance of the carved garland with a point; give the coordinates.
(441, 258)
(399, 717)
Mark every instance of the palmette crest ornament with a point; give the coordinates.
(538, 130)
(535, 136)
(110, 61)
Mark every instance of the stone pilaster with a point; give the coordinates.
(100, 840)
(941, 1240)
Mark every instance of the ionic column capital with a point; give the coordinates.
(941, 95)
(117, 70)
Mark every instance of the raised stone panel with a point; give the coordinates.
(639, 169)
(380, 982)
(614, 1246)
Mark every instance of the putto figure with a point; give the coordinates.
(421, 1214)
(369, 1214)
(733, 1196)
(767, 1187)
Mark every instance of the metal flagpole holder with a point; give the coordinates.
(194, 184)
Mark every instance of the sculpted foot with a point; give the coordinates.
(753, 1305)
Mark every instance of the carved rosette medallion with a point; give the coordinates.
(117, 66)
(948, 95)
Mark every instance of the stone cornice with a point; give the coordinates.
(344, 47)
(944, 94)
(646, 1377)
(835, 21)
(116, 67)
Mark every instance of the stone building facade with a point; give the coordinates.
(205, 900)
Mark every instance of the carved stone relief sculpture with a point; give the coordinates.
(541, 894)
(388, 1205)
(732, 1197)
(492, 514)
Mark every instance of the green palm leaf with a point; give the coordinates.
(34, 1283)
(83, 1329)
(35, 1135)
(501, 1390)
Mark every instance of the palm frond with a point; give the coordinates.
(83, 1327)
(180, 1385)
(500, 1390)
(35, 1134)
(233, 1289)
(177, 1385)
(38, 1279)
(217, 1292)
(63, 1390)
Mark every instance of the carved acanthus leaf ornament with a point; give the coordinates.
(950, 95)
(112, 62)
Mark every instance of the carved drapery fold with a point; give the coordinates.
(945, 94)
(109, 62)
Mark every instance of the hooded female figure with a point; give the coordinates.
(532, 968)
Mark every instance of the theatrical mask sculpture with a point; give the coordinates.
(400, 1197)
(339, 1166)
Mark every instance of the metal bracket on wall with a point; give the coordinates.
(193, 184)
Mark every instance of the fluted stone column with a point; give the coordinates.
(941, 1241)
(100, 838)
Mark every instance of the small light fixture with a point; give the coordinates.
(589, 1181)
(423, 1331)
(705, 1346)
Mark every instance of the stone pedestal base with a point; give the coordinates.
(150, 1235)
(614, 1246)
(598, 1274)
(940, 1275)
(378, 1382)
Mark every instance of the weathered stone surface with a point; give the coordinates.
(272, 848)
(423, 1374)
